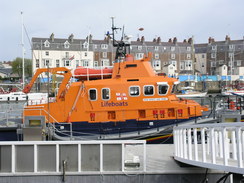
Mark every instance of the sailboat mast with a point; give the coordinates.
(23, 50)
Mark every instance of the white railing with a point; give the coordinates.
(217, 146)
(72, 157)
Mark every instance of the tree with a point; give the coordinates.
(17, 67)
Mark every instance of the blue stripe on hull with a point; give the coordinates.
(111, 128)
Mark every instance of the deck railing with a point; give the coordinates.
(72, 157)
(217, 146)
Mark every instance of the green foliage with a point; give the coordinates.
(17, 67)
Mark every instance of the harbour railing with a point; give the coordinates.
(72, 157)
(217, 146)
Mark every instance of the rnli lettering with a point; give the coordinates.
(113, 104)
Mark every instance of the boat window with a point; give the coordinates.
(148, 90)
(134, 91)
(105, 94)
(93, 94)
(162, 89)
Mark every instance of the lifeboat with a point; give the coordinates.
(83, 73)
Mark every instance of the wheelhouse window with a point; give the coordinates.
(148, 90)
(105, 94)
(162, 89)
(93, 94)
(134, 91)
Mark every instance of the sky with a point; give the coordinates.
(165, 18)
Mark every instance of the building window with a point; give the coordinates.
(37, 63)
(85, 54)
(46, 44)
(188, 56)
(77, 63)
(214, 47)
(148, 90)
(57, 63)
(134, 91)
(104, 46)
(95, 63)
(105, 94)
(47, 63)
(203, 56)
(172, 56)
(66, 45)
(67, 63)
(156, 56)
(139, 47)
(156, 48)
(85, 63)
(231, 55)
(182, 64)
(66, 54)
(174, 63)
(213, 55)
(213, 64)
(231, 47)
(188, 48)
(93, 94)
(105, 62)
(188, 65)
(157, 64)
(104, 54)
(238, 63)
(85, 45)
(172, 48)
(47, 53)
(95, 46)
(139, 55)
(162, 89)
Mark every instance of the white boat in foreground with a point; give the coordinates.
(21, 96)
(189, 92)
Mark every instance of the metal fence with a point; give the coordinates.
(217, 146)
(77, 157)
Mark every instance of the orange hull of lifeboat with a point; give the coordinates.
(91, 73)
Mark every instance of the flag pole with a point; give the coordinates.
(23, 50)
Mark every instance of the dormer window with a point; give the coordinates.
(214, 47)
(46, 44)
(231, 47)
(139, 47)
(66, 44)
(188, 48)
(104, 46)
(85, 45)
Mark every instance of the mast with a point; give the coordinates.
(23, 50)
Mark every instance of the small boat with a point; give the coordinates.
(231, 91)
(21, 96)
(83, 73)
(189, 92)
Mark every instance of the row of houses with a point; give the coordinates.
(172, 57)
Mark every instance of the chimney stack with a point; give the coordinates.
(159, 40)
(210, 40)
(175, 40)
(71, 38)
(190, 41)
(142, 39)
(52, 37)
(170, 40)
(227, 38)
